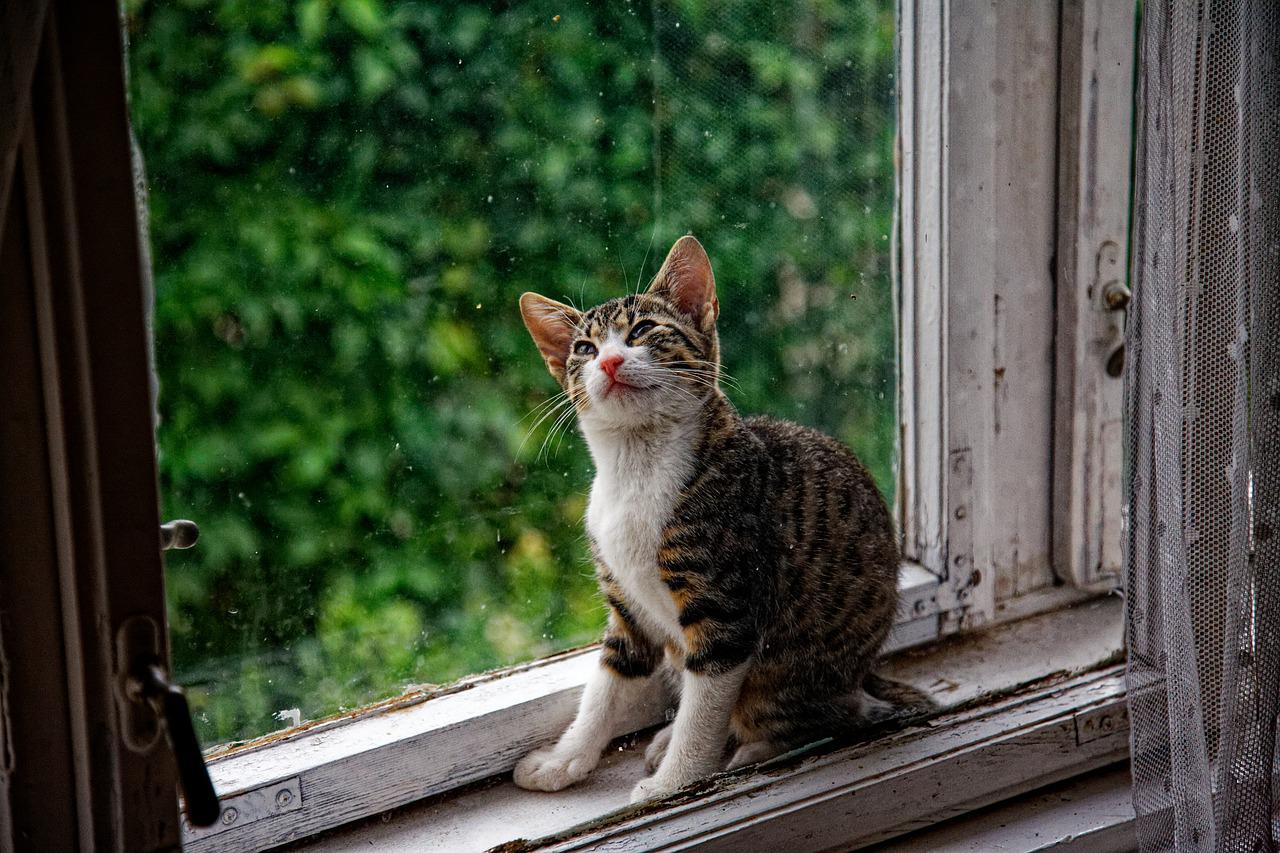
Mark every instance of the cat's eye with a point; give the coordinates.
(639, 329)
(584, 348)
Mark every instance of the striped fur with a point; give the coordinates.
(755, 555)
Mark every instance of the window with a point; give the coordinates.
(346, 200)
(988, 394)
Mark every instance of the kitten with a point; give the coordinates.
(756, 555)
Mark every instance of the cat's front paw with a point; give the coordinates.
(653, 788)
(552, 769)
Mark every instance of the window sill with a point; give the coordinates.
(312, 778)
(1092, 813)
(1021, 717)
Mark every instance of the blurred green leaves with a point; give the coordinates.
(348, 196)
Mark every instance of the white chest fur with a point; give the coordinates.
(637, 483)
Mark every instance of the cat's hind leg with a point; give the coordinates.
(657, 749)
(755, 752)
(869, 710)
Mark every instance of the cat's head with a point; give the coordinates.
(639, 357)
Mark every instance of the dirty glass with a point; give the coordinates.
(346, 199)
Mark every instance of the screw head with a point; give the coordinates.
(229, 815)
(283, 797)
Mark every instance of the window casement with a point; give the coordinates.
(1014, 123)
(1011, 236)
(81, 766)
(1002, 170)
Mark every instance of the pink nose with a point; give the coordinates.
(610, 364)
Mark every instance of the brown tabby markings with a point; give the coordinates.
(780, 549)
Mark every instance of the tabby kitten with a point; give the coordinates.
(755, 555)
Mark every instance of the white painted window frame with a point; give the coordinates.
(1012, 219)
(1093, 246)
(952, 257)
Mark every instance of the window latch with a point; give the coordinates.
(1114, 296)
(151, 704)
(148, 683)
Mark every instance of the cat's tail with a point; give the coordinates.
(907, 701)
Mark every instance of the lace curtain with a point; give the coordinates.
(1203, 405)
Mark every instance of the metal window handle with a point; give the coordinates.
(148, 683)
(149, 702)
(1115, 295)
(180, 533)
(1111, 295)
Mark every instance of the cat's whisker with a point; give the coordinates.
(640, 275)
(548, 412)
(626, 281)
(724, 375)
(546, 440)
(563, 420)
(538, 409)
(564, 430)
(666, 385)
(685, 373)
(716, 378)
(559, 406)
(553, 410)
(561, 425)
(704, 379)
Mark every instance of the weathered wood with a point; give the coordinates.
(392, 758)
(862, 795)
(970, 124)
(980, 179)
(36, 762)
(978, 118)
(97, 445)
(958, 672)
(414, 749)
(1025, 90)
(1089, 814)
(921, 305)
(1094, 144)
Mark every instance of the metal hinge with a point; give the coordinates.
(248, 807)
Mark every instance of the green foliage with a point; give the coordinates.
(347, 196)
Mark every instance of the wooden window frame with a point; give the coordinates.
(1013, 216)
(1094, 193)
(993, 678)
(82, 766)
(951, 476)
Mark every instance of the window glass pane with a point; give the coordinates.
(347, 198)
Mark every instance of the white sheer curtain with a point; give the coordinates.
(1203, 402)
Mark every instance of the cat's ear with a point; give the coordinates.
(552, 325)
(686, 280)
